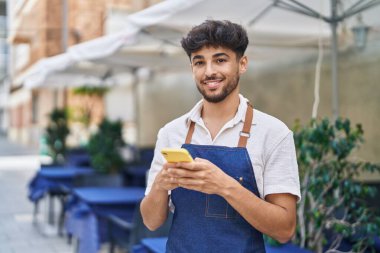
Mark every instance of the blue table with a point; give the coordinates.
(54, 179)
(109, 195)
(88, 211)
(158, 245)
(377, 243)
(56, 182)
(151, 245)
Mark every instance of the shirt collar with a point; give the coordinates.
(195, 113)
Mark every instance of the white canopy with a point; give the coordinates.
(267, 24)
(61, 71)
(39, 71)
(151, 37)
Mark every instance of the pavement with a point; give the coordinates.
(18, 234)
(8, 148)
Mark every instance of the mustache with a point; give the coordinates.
(211, 78)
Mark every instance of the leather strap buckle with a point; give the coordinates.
(244, 134)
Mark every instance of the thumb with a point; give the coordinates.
(197, 159)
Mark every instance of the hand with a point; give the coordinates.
(201, 175)
(164, 181)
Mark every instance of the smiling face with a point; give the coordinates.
(216, 71)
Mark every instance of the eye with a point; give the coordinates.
(198, 63)
(220, 60)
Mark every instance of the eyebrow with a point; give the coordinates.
(197, 57)
(214, 56)
(220, 54)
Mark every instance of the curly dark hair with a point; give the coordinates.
(216, 33)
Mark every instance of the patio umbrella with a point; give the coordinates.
(66, 70)
(270, 23)
(39, 71)
(151, 38)
(333, 14)
(161, 27)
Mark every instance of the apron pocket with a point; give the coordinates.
(218, 207)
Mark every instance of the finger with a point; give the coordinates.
(164, 173)
(192, 165)
(203, 164)
(184, 173)
(180, 172)
(185, 165)
(187, 182)
(169, 165)
(195, 186)
(171, 186)
(198, 159)
(169, 181)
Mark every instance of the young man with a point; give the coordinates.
(244, 179)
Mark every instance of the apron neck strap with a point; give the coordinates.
(190, 133)
(244, 134)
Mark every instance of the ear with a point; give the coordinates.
(243, 64)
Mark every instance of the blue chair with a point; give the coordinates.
(125, 234)
(146, 155)
(135, 172)
(78, 157)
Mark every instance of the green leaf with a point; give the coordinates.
(324, 155)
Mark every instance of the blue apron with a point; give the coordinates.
(206, 223)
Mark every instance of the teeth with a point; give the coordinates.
(212, 82)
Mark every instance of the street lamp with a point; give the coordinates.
(360, 32)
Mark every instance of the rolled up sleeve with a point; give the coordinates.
(281, 169)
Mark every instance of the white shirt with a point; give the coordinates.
(270, 147)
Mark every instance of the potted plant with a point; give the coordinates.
(104, 149)
(332, 211)
(55, 135)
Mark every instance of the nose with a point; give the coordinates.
(210, 70)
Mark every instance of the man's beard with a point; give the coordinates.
(227, 90)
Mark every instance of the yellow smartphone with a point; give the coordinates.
(175, 155)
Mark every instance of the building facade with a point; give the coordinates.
(44, 28)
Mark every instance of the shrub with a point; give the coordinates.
(333, 206)
(104, 147)
(56, 133)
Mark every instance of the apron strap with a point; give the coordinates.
(244, 134)
(190, 133)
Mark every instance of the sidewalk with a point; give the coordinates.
(17, 232)
(8, 148)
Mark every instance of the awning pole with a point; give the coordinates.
(334, 60)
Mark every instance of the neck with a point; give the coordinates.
(222, 111)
